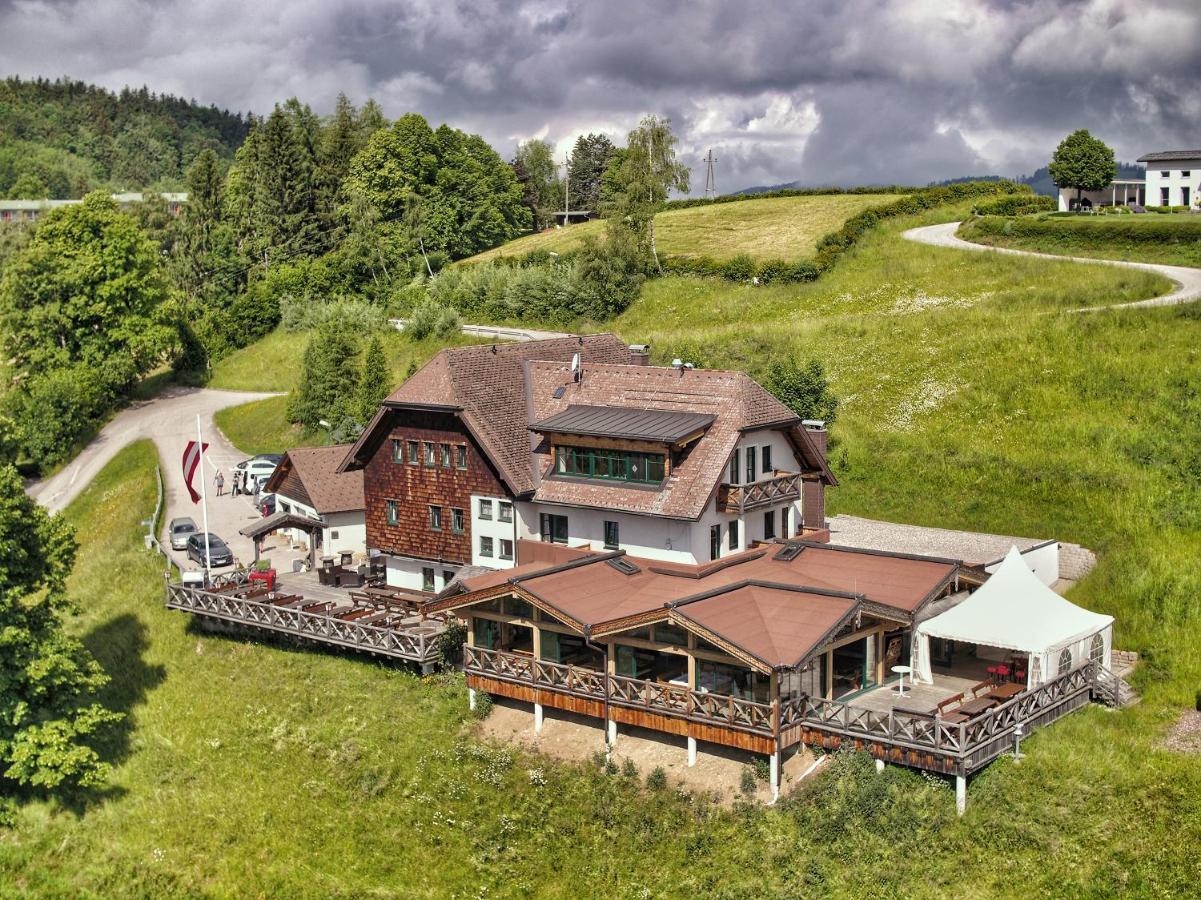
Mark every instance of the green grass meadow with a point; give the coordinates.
(771, 228)
(972, 397)
(1172, 239)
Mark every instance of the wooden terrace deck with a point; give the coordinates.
(349, 619)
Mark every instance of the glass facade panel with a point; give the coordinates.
(610, 465)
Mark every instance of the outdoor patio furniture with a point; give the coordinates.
(973, 708)
(943, 707)
(1006, 691)
(999, 672)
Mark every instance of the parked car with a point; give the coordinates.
(258, 469)
(179, 530)
(218, 550)
(267, 504)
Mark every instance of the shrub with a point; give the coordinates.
(483, 705)
(762, 769)
(1016, 205)
(748, 783)
(432, 318)
(56, 410)
(628, 769)
(450, 646)
(656, 780)
(301, 314)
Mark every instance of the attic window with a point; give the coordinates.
(623, 565)
(559, 392)
(789, 553)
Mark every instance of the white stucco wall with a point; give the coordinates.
(650, 537)
(495, 529)
(405, 572)
(1175, 181)
(350, 526)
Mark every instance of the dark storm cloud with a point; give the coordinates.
(823, 92)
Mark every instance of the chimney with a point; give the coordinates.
(640, 354)
(817, 434)
(813, 490)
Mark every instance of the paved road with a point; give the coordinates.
(1188, 280)
(499, 332)
(170, 421)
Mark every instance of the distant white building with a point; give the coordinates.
(1173, 178)
(31, 210)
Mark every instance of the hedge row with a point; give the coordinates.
(1086, 231)
(829, 248)
(690, 202)
(1017, 205)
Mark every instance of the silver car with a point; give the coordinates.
(179, 531)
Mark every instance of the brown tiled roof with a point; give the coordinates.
(777, 626)
(736, 401)
(325, 488)
(598, 596)
(486, 385)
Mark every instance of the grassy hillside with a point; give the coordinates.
(1173, 239)
(971, 398)
(274, 364)
(774, 228)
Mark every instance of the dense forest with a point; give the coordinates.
(330, 223)
(61, 139)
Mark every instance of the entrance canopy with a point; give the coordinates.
(1015, 611)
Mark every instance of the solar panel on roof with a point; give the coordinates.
(559, 392)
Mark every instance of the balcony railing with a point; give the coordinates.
(738, 498)
(964, 746)
(636, 693)
(413, 644)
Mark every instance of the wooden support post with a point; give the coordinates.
(691, 751)
(960, 794)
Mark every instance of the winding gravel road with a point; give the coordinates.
(1187, 280)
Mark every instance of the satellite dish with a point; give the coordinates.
(575, 363)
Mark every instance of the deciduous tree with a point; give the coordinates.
(648, 173)
(1083, 162)
(48, 680)
(803, 388)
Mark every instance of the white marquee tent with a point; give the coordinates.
(1016, 613)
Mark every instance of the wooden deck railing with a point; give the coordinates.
(738, 498)
(398, 642)
(969, 745)
(663, 699)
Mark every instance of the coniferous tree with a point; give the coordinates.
(375, 381)
(329, 377)
(589, 158)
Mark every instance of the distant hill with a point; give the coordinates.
(64, 138)
(1040, 181)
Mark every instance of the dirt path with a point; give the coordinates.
(170, 421)
(1187, 280)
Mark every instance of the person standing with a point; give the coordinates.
(219, 481)
(237, 485)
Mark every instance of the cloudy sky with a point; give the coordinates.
(818, 91)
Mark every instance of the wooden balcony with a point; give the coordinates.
(927, 742)
(739, 498)
(346, 625)
(720, 718)
(909, 739)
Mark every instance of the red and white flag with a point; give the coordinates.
(191, 460)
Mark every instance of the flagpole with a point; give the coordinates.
(204, 503)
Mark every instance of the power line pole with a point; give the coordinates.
(566, 189)
(710, 180)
